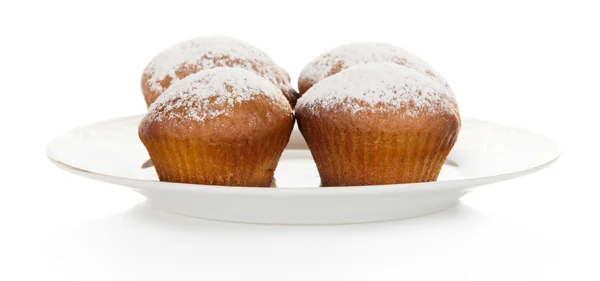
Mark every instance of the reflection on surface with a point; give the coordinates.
(143, 241)
(147, 215)
(144, 226)
(144, 215)
(150, 244)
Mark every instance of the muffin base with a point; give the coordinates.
(350, 155)
(236, 162)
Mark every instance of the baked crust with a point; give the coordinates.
(283, 78)
(203, 53)
(240, 148)
(378, 123)
(373, 148)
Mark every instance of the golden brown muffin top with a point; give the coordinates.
(381, 88)
(217, 102)
(345, 56)
(201, 53)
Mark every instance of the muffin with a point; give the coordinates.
(378, 123)
(349, 55)
(201, 53)
(223, 126)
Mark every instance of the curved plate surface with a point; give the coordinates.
(485, 152)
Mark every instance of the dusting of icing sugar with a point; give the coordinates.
(196, 96)
(352, 54)
(211, 52)
(375, 84)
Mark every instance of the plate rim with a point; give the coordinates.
(405, 187)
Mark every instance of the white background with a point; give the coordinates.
(532, 64)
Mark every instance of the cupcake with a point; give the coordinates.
(378, 123)
(201, 53)
(349, 55)
(223, 126)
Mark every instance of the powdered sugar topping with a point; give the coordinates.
(380, 86)
(197, 96)
(210, 52)
(349, 55)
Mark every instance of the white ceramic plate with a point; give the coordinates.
(486, 152)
